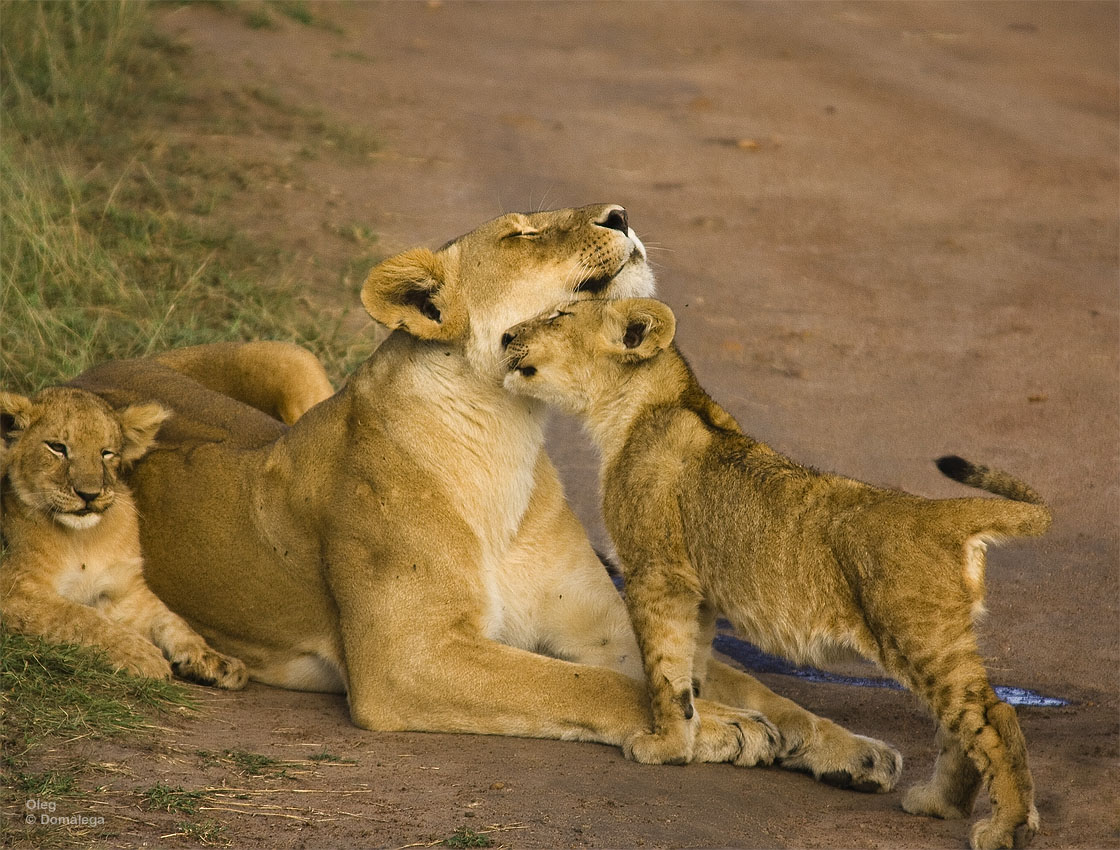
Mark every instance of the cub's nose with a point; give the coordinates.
(507, 338)
(616, 220)
(85, 496)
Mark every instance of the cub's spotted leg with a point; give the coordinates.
(667, 615)
(809, 743)
(937, 657)
(989, 734)
(664, 608)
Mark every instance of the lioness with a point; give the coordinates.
(407, 540)
(73, 571)
(708, 521)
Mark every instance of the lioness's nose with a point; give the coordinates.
(507, 338)
(616, 220)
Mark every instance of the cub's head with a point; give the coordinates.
(64, 448)
(512, 268)
(587, 352)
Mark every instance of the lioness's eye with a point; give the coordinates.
(108, 454)
(522, 234)
(58, 448)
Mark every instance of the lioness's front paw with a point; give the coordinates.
(212, 668)
(739, 736)
(837, 757)
(672, 746)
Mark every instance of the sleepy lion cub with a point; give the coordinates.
(707, 521)
(72, 572)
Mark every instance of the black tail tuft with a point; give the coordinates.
(955, 467)
(985, 478)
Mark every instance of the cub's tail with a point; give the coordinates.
(985, 478)
(1031, 517)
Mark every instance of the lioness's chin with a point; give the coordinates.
(634, 280)
(540, 397)
(78, 521)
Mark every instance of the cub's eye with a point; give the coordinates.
(558, 314)
(108, 454)
(57, 448)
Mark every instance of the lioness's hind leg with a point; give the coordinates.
(809, 744)
(278, 378)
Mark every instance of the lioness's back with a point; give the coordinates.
(201, 415)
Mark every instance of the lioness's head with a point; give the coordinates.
(587, 351)
(508, 270)
(64, 448)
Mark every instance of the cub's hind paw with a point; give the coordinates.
(928, 800)
(989, 835)
(214, 669)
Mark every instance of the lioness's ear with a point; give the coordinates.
(408, 291)
(140, 422)
(645, 327)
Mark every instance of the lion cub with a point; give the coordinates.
(808, 565)
(72, 572)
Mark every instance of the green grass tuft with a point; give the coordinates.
(163, 798)
(297, 10)
(244, 763)
(50, 691)
(48, 783)
(206, 832)
(330, 757)
(466, 837)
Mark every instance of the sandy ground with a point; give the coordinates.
(889, 232)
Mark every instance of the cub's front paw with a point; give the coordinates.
(670, 746)
(140, 658)
(212, 668)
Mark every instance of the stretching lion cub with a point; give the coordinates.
(73, 571)
(807, 565)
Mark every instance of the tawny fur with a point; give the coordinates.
(407, 540)
(73, 572)
(808, 565)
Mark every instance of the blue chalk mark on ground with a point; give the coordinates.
(757, 661)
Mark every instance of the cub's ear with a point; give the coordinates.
(645, 327)
(15, 414)
(410, 291)
(140, 422)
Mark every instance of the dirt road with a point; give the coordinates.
(889, 232)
